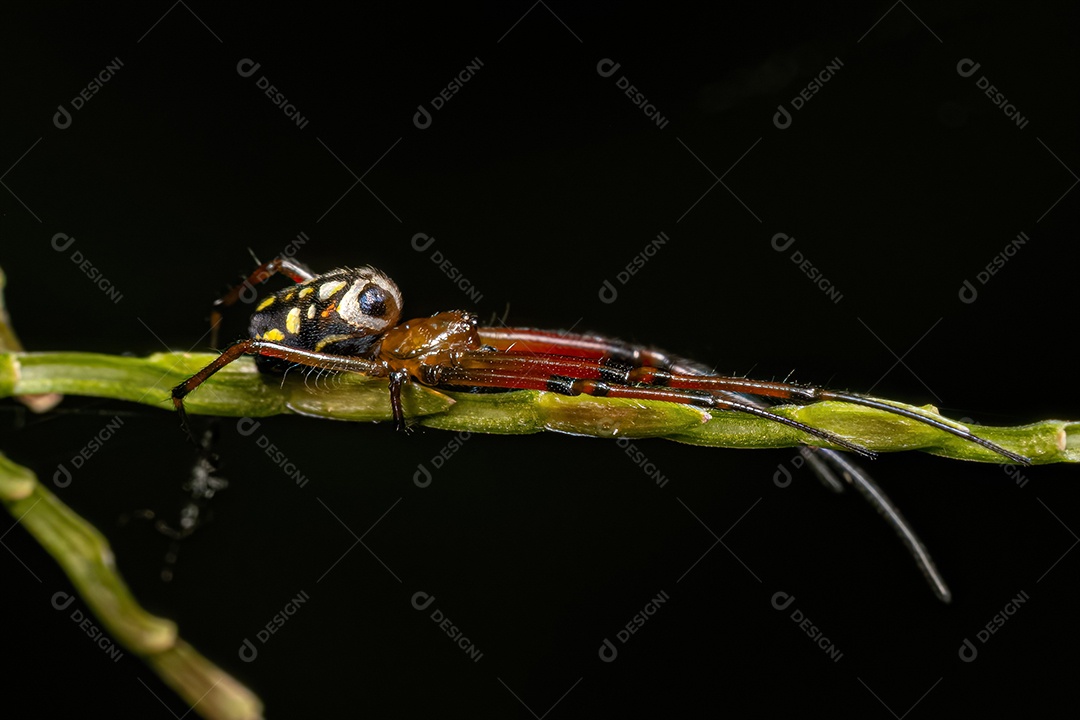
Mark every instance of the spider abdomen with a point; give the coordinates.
(343, 312)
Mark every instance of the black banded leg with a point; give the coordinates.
(564, 376)
(654, 367)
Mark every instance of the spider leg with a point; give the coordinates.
(822, 461)
(654, 367)
(295, 271)
(340, 363)
(573, 376)
(822, 469)
(873, 494)
(397, 379)
(809, 393)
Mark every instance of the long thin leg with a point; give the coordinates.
(246, 289)
(821, 460)
(563, 376)
(873, 493)
(341, 363)
(598, 351)
(591, 347)
(795, 392)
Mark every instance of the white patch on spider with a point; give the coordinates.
(329, 288)
(349, 307)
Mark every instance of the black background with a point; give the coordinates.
(539, 180)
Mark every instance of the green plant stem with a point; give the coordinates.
(239, 390)
(85, 556)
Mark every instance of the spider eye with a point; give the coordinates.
(372, 301)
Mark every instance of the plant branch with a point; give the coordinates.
(239, 390)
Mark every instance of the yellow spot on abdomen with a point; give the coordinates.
(330, 339)
(292, 321)
(306, 291)
(265, 303)
(311, 311)
(274, 335)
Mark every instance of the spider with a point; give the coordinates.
(347, 320)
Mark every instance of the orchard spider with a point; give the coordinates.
(347, 320)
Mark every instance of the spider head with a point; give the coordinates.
(372, 303)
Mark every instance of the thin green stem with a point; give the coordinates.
(239, 390)
(85, 556)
